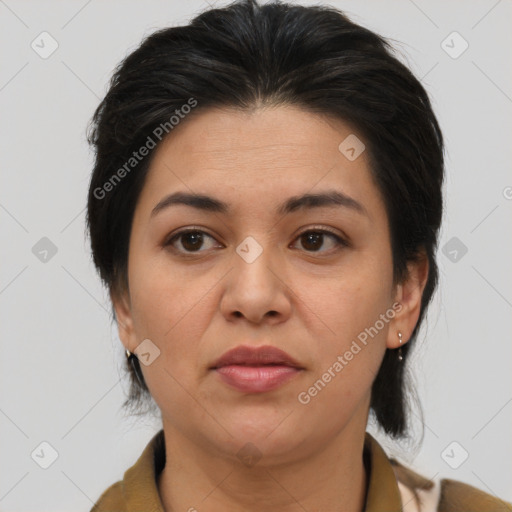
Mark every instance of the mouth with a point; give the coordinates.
(256, 369)
(245, 355)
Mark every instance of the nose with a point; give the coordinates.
(257, 291)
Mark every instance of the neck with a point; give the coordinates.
(333, 478)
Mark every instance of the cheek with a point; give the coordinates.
(347, 304)
(348, 357)
(170, 313)
(351, 320)
(161, 295)
(172, 310)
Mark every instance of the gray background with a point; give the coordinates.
(60, 373)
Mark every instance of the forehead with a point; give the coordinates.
(270, 134)
(270, 152)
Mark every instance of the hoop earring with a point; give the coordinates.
(400, 356)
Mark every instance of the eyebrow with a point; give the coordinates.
(202, 202)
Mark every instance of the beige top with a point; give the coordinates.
(391, 487)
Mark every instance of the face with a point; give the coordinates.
(258, 266)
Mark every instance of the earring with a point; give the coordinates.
(400, 356)
(131, 360)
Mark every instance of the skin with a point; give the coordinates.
(311, 303)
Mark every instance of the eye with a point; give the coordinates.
(191, 240)
(314, 239)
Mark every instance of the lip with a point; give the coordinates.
(255, 356)
(256, 369)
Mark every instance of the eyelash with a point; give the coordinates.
(340, 242)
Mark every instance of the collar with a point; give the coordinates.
(140, 491)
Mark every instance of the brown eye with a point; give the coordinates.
(314, 240)
(190, 241)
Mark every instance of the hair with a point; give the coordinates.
(246, 56)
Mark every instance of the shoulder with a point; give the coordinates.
(457, 496)
(423, 495)
(138, 488)
(112, 500)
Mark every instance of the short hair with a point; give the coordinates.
(245, 56)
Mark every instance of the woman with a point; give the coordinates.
(264, 210)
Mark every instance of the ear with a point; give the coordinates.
(409, 294)
(122, 307)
